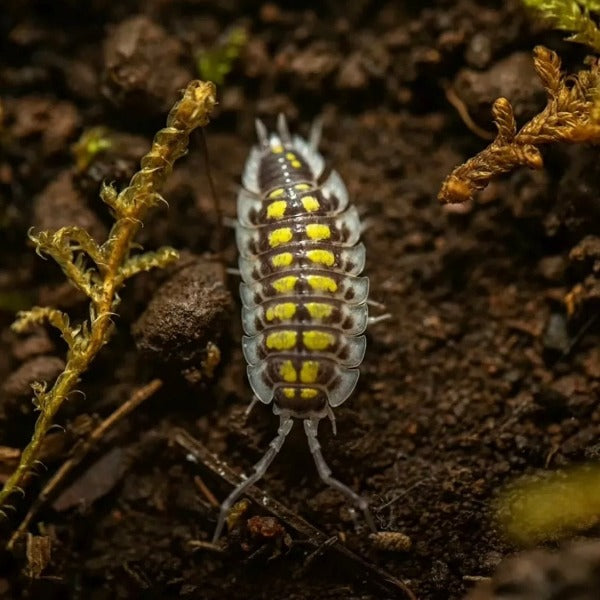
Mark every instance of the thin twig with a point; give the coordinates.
(203, 545)
(463, 113)
(577, 338)
(318, 551)
(358, 565)
(139, 396)
(220, 234)
(205, 491)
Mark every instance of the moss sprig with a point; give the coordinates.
(572, 16)
(571, 115)
(99, 270)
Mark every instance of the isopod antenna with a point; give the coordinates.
(283, 129)
(262, 134)
(260, 468)
(311, 429)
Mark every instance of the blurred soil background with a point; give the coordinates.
(480, 375)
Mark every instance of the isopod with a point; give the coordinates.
(304, 302)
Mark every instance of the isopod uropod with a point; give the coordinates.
(304, 304)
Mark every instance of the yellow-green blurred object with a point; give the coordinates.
(214, 64)
(593, 5)
(572, 16)
(12, 302)
(550, 506)
(92, 142)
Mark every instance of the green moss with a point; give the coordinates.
(93, 141)
(214, 64)
(572, 16)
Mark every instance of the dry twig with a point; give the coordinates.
(137, 398)
(319, 540)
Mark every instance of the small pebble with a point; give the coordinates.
(556, 336)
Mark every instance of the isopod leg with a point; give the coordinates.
(379, 319)
(260, 468)
(314, 137)
(311, 427)
(251, 406)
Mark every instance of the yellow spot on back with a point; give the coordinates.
(287, 371)
(317, 340)
(310, 203)
(281, 340)
(308, 393)
(277, 193)
(286, 284)
(321, 257)
(321, 283)
(290, 156)
(318, 231)
(276, 209)
(296, 164)
(289, 392)
(280, 236)
(302, 187)
(278, 149)
(309, 371)
(283, 311)
(284, 259)
(319, 310)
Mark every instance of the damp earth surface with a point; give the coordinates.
(478, 377)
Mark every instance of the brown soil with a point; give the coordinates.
(478, 377)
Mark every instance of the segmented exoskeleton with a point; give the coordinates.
(304, 304)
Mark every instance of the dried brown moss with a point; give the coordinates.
(572, 114)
